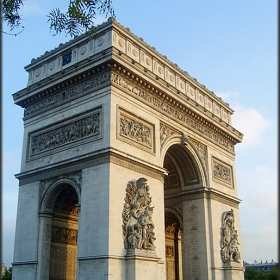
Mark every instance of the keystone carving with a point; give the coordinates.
(229, 239)
(138, 227)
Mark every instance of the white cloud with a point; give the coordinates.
(251, 123)
(227, 95)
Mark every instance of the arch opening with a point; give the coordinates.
(182, 175)
(64, 234)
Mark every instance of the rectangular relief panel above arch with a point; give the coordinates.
(79, 129)
(222, 173)
(135, 130)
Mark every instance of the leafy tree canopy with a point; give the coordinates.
(8, 274)
(78, 18)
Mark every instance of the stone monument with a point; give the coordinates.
(127, 167)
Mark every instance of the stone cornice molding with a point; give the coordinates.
(206, 193)
(89, 160)
(113, 35)
(186, 107)
(183, 106)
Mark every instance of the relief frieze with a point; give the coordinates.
(68, 94)
(222, 172)
(135, 130)
(64, 235)
(171, 111)
(88, 126)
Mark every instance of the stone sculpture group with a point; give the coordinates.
(229, 239)
(138, 227)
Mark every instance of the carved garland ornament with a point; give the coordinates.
(229, 239)
(138, 227)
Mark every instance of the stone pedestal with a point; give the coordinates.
(233, 271)
(142, 264)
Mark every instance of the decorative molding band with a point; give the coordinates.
(24, 263)
(203, 193)
(186, 118)
(222, 172)
(138, 167)
(238, 268)
(67, 95)
(98, 157)
(135, 130)
(63, 133)
(88, 258)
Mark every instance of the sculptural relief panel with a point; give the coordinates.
(64, 133)
(222, 172)
(135, 130)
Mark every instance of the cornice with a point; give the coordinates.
(113, 34)
(66, 78)
(205, 193)
(179, 101)
(98, 157)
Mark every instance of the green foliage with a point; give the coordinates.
(252, 274)
(78, 18)
(10, 12)
(273, 274)
(8, 274)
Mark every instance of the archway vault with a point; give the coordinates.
(183, 154)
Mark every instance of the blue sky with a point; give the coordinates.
(229, 46)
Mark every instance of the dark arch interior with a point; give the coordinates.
(66, 201)
(180, 167)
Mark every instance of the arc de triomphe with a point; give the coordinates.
(127, 167)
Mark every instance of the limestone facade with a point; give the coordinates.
(127, 167)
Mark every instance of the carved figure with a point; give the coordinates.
(229, 239)
(137, 216)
